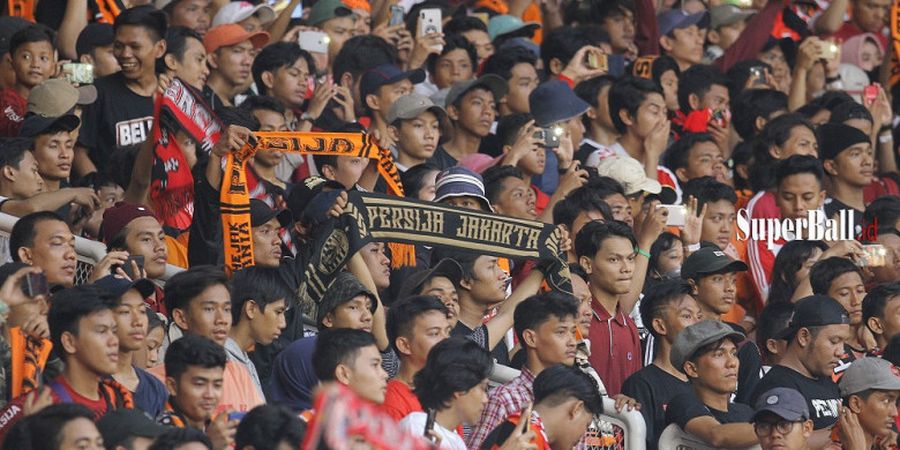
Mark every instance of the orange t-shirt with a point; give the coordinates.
(399, 400)
(238, 391)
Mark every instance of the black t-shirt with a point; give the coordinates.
(500, 352)
(654, 389)
(750, 369)
(685, 407)
(834, 206)
(822, 395)
(119, 120)
(442, 159)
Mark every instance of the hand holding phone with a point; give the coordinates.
(396, 16)
(36, 285)
(129, 266)
(870, 94)
(429, 424)
(314, 41)
(676, 216)
(430, 21)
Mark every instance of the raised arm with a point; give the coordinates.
(139, 186)
(503, 321)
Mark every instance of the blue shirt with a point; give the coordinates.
(293, 378)
(150, 395)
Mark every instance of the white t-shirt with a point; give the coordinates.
(414, 423)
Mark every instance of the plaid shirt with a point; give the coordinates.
(505, 400)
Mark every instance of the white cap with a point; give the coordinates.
(235, 12)
(629, 172)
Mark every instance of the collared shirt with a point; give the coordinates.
(504, 401)
(236, 354)
(615, 347)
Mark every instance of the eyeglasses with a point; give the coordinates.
(765, 428)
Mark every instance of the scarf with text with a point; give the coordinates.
(180, 109)
(235, 200)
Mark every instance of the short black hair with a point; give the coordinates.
(628, 94)
(44, 429)
(502, 63)
(752, 104)
(12, 151)
(876, 300)
(537, 309)
(605, 186)
(885, 210)
(773, 320)
(775, 134)
(176, 44)
(263, 102)
(402, 315)
(676, 157)
(69, 306)
(825, 271)
(708, 190)
(508, 127)
(338, 346)
(454, 365)
(798, 164)
(592, 235)
(790, 259)
(892, 350)
(361, 53)
(658, 297)
(193, 350)
(562, 43)
(263, 285)
(581, 200)
(29, 34)
(589, 91)
(231, 115)
(698, 80)
(494, 177)
(276, 56)
(454, 42)
(711, 347)
(146, 16)
(187, 285)
(740, 73)
(559, 383)
(25, 229)
(459, 25)
(849, 111)
(266, 427)
(174, 438)
(596, 12)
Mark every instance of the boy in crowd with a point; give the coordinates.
(33, 61)
(681, 36)
(507, 191)
(841, 279)
(351, 358)
(516, 65)
(693, 156)
(414, 325)
(638, 111)
(230, 51)
(870, 388)
(471, 106)
(704, 104)
(282, 71)
(707, 353)
(816, 336)
(346, 170)
(380, 87)
(95, 46)
(601, 133)
(417, 126)
(880, 314)
(719, 200)
(846, 154)
(781, 420)
(666, 309)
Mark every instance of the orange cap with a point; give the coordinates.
(230, 34)
(358, 4)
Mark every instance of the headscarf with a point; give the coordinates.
(851, 50)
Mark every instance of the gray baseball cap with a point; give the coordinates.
(411, 105)
(724, 15)
(492, 82)
(690, 339)
(783, 402)
(870, 373)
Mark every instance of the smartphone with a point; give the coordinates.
(828, 49)
(549, 136)
(430, 21)
(718, 117)
(870, 94)
(396, 15)
(758, 74)
(314, 41)
(597, 61)
(36, 285)
(429, 423)
(79, 73)
(874, 255)
(129, 270)
(236, 415)
(677, 214)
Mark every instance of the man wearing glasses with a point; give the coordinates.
(782, 420)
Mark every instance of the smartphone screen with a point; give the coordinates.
(429, 423)
(129, 270)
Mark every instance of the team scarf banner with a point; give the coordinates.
(234, 198)
(179, 109)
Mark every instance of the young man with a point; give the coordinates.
(195, 378)
(95, 46)
(53, 140)
(666, 309)
(752, 109)
(841, 279)
(282, 71)
(508, 193)
(816, 335)
(682, 36)
(545, 326)
(130, 314)
(617, 19)
(601, 133)
(719, 199)
(381, 86)
(638, 111)
(707, 353)
(350, 357)
(880, 312)
(193, 14)
(417, 126)
(251, 17)
(136, 230)
(199, 303)
(773, 321)
(270, 113)
(517, 66)
(848, 160)
(415, 325)
(726, 23)
(781, 420)
(461, 187)
(122, 116)
(346, 170)
(581, 206)
(268, 425)
(440, 281)
(693, 156)
(259, 299)
(471, 107)
(33, 60)
(65, 426)
(230, 50)
(868, 17)
(870, 388)
(43, 239)
(704, 104)
(476, 32)
(334, 19)
(83, 330)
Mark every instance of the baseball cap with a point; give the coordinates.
(385, 74)
(119, 216)
(834, 138)
(326, 10)
(304, 192)
(815, 311)
(725, 14)
(92, 36)
(231, 34)
(460, 182)
(261, 213)
(56, 97)
(444, 268)
(554, 101)
(676, 19)
(630, 173)
(411, 105)
(119, 425)
(35, 125)
(8, 27)
(117, 287)
(343, 289)
(783, 402)
(503, 24)
(492, 82)
(710, 260)
(235, 12)
(869, 373)
(522, 42)
(690, 339)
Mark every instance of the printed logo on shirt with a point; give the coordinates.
(826, 408)
(12, 115)
(133, 132)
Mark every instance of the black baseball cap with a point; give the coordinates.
(444, 268)
(304, 192)
(118, 426)
(710, 259)
(815, 311)
(92, 36)
(35, 125)
(117, 287)
(260, 213)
